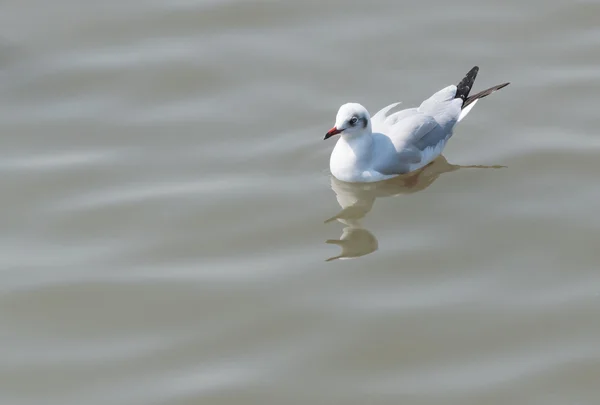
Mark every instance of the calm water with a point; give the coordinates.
(168, 213)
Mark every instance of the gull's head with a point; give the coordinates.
(352, 119)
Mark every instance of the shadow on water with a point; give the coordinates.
(357, 199)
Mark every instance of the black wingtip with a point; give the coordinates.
(466, 84)
(484, 93)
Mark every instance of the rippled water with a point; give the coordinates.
(168, 213)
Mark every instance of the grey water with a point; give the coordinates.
(171, 234)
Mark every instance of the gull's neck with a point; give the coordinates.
(359, 144)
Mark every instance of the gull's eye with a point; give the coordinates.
(353, 121)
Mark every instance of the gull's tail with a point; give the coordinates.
(464, 88)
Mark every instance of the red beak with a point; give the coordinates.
(333, 131)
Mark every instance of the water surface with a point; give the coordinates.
(166, 197)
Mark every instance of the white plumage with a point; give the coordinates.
(388, 144)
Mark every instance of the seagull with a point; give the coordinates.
(386, 145)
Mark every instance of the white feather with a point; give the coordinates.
(466, 110)
(429, 154)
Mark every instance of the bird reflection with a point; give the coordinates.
(357, 199)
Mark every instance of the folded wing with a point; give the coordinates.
(414, 132)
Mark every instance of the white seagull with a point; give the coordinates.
(384, 146)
